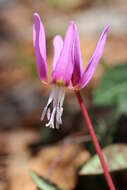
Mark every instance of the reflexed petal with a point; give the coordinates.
(57, 44)
(77, 72)
(94, 60)
(64, 66)
(40, 47)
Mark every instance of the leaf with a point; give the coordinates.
(112, 87)
(115, 157)
(122, 103)
(42, 183)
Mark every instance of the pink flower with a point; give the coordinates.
(67, 66)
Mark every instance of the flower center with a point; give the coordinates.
(60, 83)
(54, 108)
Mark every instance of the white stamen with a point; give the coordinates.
(59, 112)
(49, 102)
(51, 122)
(55, 102)
(48, 114)
(59, 109)
(62, 95)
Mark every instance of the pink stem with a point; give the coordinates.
(95, 141)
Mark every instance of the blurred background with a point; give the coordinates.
(25, 144)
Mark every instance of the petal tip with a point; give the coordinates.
(107, 27)
(57, 37)
(72, 23)
(36, 17)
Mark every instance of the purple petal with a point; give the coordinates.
(77, 72)
(40, 47)
(64, 67)
(57, 44)
(94, 60)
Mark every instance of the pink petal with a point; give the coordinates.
(40, 47)
(77, 72)
(64, 67)
(94, 60)
(57, 44)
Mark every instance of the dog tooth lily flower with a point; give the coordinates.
(67, 66)
(62, 68)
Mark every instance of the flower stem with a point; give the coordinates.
(95, 141)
